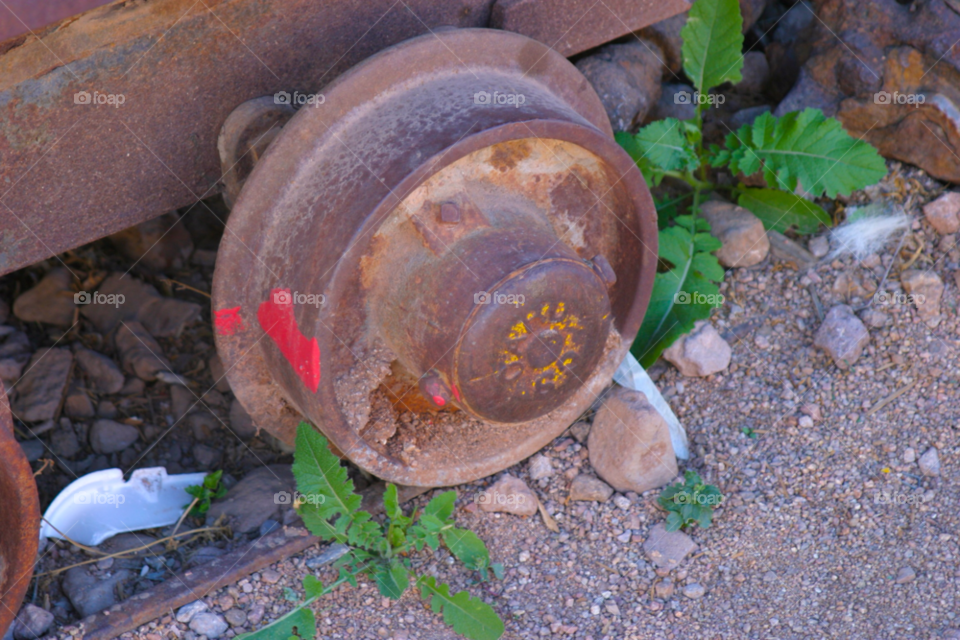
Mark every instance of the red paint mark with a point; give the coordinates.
(276, 319)
(228, 321)
(439, 401)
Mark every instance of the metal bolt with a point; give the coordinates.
(435, 389)
(449, 213)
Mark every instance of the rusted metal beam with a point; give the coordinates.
(572, 26)
(162, 76)
(199, 582)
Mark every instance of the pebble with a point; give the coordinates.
(745, 241)
(208, 624)
(667, 549)
(905, 575)
(91, 594)
(236, 617)
(50, 301)
(41, 388)
(509, 495)
(805, 421)
(694, 591)
(240, 421)
(540, 467)
(629, 443)
(663, 589)
(186, 613)
(819, 246)
(270, 576)
(909, 455)
(255, 499)
(943, 214)
(623, 502)
(107, 436)
(626, 77)
(100, 370)
(586, 487)
(930, 463)
(926, 288)
(31, 622)
(702, 352)
(875, 319)
(842, 336)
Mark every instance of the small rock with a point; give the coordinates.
(589, 488)
(744, 239)
(133, 387)
(41, 388)
(626, 77)
(770, 576)
(905, 575)
(186, 613)
(107, 436)
(255, 499)
(90, 594)
(269, 526)
(667, 549)
(540, 467)
(236, 617)
(509, 495)
(783, 249)
(702, 352)
(50, 301)
(842, 336)
(850, 284)
(207, 457)
(256, 614)
(623, 502)
(203, 424)
(31, 623)
(182, 401)
(909, 455)
(64, 442)
(106, 409)
(663, 589)
(208, 624)
(874, 318)
(218, 373)
(694, 591)
(926, 288)
(580, 431)
(629, 443)
(32, 449)
(139, 352)
(78, 404)
(943, 214)
(270, 576)
(101, 371)
(819, 246)
(158, 244)
(240, 421)
(755, 72)
(138, 301)
(805, 421)
(930, 463)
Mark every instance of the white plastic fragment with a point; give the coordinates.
(632, 376)
(100, 505)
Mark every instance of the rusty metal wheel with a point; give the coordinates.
(441, 265)
(20, 518)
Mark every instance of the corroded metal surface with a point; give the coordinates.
(572, 26)
(74, 172)
(359, 244)
(19, 519)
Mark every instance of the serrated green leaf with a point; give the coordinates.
(467, 547)
(692, 277)
(312, 587)
(441, 506)
(466, 615)
(706, 518)
(712, 42)
(392, 580)
(804, 148)
(299, 623)
(706, 242)
(664, 144)
(780, 211)
(319, 472)
(674, 521)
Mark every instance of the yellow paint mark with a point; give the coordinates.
(518, 331)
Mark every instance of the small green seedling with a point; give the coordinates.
(690, 502)
(799, 151)
(749, 432)
(331, 510)
(205, 493)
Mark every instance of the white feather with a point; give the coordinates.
(867, 234)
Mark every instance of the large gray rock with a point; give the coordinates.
(627, 79)
(509, 495)
(702, 352)
(100, 370)
(842, 335)
(262, 495)
(90, 594)
(41, 388)
(744, 239)
(107, 436)
(629, 443)
(49, 301)
(667, 549)
(32, 622)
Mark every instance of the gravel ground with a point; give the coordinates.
(829, 528)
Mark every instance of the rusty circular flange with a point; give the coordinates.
(20, 515)
(362, 246)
